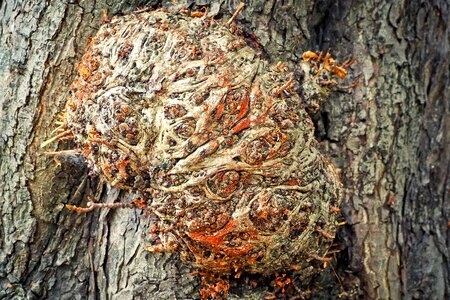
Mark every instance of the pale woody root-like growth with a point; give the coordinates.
(217, 140)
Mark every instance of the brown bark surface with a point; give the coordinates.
(390, 137)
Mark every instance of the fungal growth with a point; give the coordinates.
(217, 140)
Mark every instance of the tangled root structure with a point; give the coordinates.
(216, 139)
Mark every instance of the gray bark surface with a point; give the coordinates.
(390, 137)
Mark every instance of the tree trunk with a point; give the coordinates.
(389, 136)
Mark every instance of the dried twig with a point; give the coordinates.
(56, 137)
(91, 206)
(236, 13)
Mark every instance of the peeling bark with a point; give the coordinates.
(389, 137)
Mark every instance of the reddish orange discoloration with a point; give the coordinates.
(293, 182)
(215, 239)
(83, 71)
(219, 110)
(121, 165)
(282, 281)
(213, 287)
(198, 14)
(308, 55)
(244, 106)
(324, 233)
(328, 63)
(241, 125)
(340, 72)
(142, 203)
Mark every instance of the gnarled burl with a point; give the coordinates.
(216, 139)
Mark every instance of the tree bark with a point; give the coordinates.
(389, 136)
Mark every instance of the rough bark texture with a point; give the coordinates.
(390, 137)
